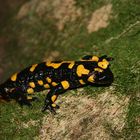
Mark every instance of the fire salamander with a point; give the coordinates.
(58, 76)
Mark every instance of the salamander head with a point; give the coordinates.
(102, 73)
(104, 78)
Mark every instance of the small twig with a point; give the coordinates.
(122, 33)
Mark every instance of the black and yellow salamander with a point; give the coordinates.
(58, 76)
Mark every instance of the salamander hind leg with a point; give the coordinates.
(51, 98)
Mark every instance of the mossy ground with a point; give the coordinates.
(32, 37)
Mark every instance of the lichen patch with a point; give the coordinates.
(62, 11)
(65, 11)
(82, 117)
(53, 55)
(100, 18)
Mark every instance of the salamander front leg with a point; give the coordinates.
(51, 98)
(22, 100)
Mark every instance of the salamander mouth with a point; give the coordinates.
(101, 78)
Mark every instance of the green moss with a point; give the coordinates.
(20, 122)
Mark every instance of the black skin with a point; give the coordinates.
(18, 89)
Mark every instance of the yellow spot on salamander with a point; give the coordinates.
(54, 65)
(32, 84)
(81, 70)
(53, 105)
(40, 82)
(30, 90)
(54, 84)
(33, 67)
(91, 78)
(81, 82)
(103, 64)
(95, 58)
(70, 66)
(98, 69)
(46, 86)
(14, 77)
(53, 98)
(65, 84)
(29, 97)
(48, 80)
